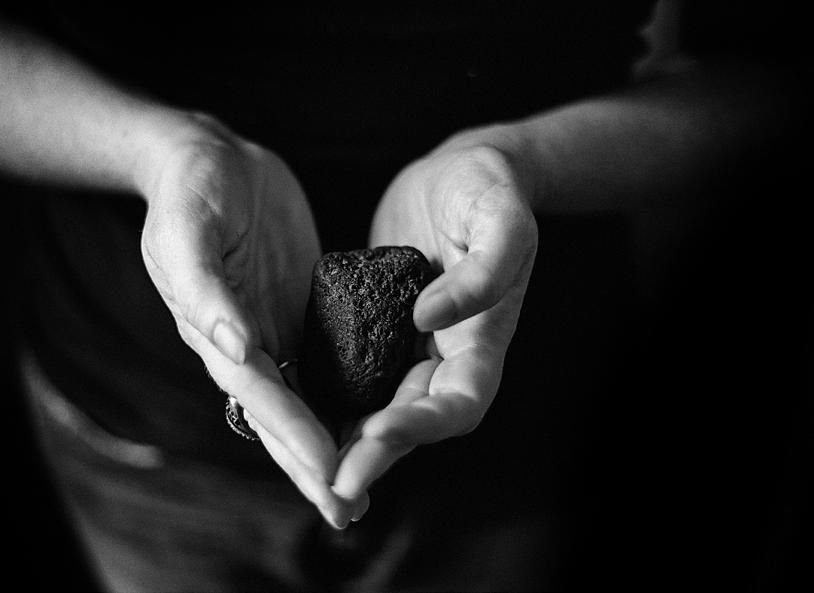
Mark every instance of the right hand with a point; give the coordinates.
(466, 206)
(229, 242)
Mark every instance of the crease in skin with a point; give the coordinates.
(210, 212)
(485, 206)
(478, 344)
(451, 378)
(422, 421)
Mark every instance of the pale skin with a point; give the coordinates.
(229, 230)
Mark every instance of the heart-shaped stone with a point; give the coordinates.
(359, 333)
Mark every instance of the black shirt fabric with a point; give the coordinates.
(346, 96)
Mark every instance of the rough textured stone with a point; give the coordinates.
(359, 331)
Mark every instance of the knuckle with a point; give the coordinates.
(475, 166)
(481, 289)
(192, 310)
(189, 336)
(209, 123)
(256, 151)
(157, 239)
(489, 157)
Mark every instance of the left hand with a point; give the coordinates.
(466, 207)
(230, 242)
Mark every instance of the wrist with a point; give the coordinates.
(167, 132)
(514, 145)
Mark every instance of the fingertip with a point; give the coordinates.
(345, 490)
(434, 309)
(349, 511)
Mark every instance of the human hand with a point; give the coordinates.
(465, 206)
(230, 242)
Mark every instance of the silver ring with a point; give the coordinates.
(234, 412)
(236, 420)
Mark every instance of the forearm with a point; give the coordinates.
(60, 122)
(650, 144)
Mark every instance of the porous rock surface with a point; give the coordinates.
(359, 331)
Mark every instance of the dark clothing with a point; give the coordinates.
(154, 522)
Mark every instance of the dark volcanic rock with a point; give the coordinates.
(359, 331)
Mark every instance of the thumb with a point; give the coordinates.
(500, 257)
(468, 287)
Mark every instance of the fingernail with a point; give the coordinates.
(434, 310)
(229, 341)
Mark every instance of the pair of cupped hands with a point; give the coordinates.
(230, 242)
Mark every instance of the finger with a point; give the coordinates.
(349, 436)
(262, 391)
(368, 454)
(459, 391)
(428, 420)
(187, 252)
(364, 463)
(413, 386)
(336, 511)
(282, 413)
(397, 430)
(501, 248)
(416, 383)
(211, 306)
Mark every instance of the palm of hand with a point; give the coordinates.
(465, 210)
(270, 264)
(237, 215)
(230, 242)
